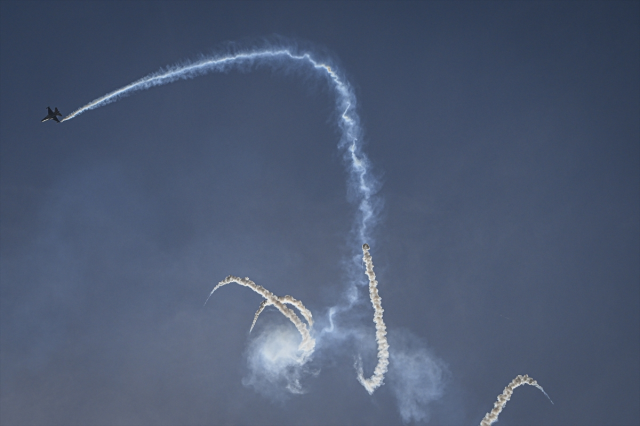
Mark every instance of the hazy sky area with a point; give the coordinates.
(505, 141)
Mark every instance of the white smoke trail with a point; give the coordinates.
(492, 416)
(285, 299)
(375, 381)
(361, 183)
(298, 304)
(308, 343)
(258, 312)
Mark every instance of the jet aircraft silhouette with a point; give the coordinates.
(52, 115)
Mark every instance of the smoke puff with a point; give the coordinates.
(416, 377)
(275, 363)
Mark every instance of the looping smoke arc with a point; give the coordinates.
(308, 343)
(492, 416)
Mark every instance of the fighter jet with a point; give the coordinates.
(52, 115)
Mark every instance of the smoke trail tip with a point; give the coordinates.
(209, 297)
(365, 246)
(258, 312)
(360, 376)
(545, 394)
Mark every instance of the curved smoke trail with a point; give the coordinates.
(349, 123)
(308, 343)
(375, 381)
(492, 416)
(360, 182)
(285, 299)
(258, 312)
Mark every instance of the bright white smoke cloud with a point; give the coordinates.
(277, 358)
(275, 363)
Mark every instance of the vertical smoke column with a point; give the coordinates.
(375, 381)
(505, 396)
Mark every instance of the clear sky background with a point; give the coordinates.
(505, 136)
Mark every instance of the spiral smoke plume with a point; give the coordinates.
(308, 343)
(375, 381)
(492, 416)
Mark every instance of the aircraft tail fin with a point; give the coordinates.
(58, 112)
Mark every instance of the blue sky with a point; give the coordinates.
(505, 141)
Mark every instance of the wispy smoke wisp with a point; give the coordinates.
(416, 376)
(492, 416)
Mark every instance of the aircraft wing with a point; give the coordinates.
(56, 119)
